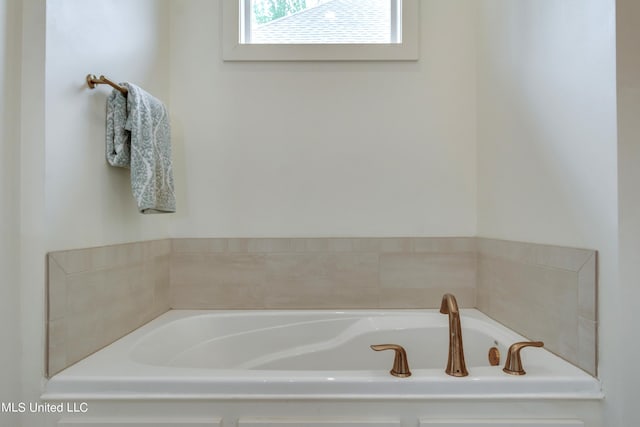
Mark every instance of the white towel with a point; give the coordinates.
(138, 137)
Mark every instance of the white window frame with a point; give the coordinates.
(233, 50)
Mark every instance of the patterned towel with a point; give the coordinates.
(139, 137)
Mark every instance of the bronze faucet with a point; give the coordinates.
(455, 364)
(400, 364)
(513, 366)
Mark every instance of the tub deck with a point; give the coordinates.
(312, 354)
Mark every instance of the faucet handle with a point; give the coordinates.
(513, 365)
(400, 363)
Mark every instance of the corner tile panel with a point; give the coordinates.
(97, 295)
(587, 341)
(57, 290)
(543, 292)
(558, 257)
(587, 289)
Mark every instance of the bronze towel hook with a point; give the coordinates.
(92, 81)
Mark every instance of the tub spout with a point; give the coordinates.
(455, 364)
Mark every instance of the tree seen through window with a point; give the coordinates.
(269, 10)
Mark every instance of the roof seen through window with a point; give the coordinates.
(330, 22)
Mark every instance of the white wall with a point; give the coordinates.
(9, 219)
(32, 226)
(372, 149)
(625, 390)
(546, 120)
(547, 140)
(89, 203)
(69, 197)
(324, 149)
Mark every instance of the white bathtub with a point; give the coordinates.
(195, 354)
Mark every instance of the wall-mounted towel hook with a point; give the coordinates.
(92, 81)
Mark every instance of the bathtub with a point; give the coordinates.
(312, 354)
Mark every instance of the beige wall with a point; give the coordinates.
(299, 149)
(547, 155)
(9, 213)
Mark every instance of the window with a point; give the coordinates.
(320, 21)
(320, 30)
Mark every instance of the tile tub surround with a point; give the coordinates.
(97, 295)
(321, 273)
